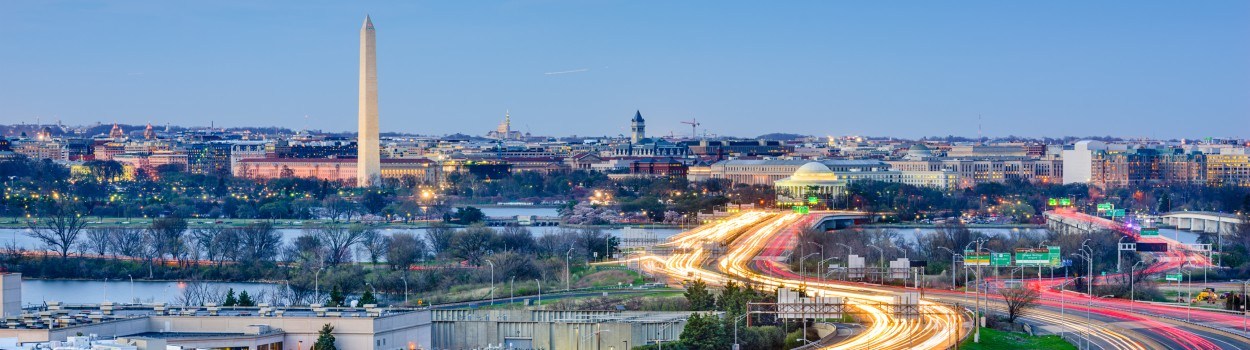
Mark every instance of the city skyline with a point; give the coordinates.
(459, 75)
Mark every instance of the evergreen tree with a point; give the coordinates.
(337, 299)
(368, 298)
(230, 300)
(245, 299)
(699, 297)
(325, 339)
(704, 332)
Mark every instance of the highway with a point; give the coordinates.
(750, 247)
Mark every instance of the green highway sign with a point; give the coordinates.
(802, 209)
(1000, 259)
(1064, 202)
(1033, 257)
(1054, 255)
(812, 200)
(1114, 213)
(1149, 231)
(1105, 206)
(976, 259)
(1052, 202)
(1175, 277)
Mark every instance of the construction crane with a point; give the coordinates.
(694, 125)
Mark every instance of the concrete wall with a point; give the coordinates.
(104, 329)
(11, 294)
(391, 332)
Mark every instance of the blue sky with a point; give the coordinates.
(906, 69)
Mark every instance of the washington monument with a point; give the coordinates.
(368, 166)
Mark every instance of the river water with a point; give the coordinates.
(80, 291)
(35, 292)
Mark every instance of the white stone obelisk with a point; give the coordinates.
(368, 164)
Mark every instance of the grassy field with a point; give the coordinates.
(993, 339)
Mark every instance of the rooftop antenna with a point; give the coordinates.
(979, 137)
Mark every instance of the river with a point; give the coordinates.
(82, 291)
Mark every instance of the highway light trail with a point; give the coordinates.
(748, 234)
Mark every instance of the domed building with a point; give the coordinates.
(813, 179)
(918, 152)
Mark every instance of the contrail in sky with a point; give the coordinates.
(568, 71)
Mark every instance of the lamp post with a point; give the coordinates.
(511, 294)
(317, 285)
(953, 255)
(404, 277)
(567, 285)
(540, 291)
(736, 320)
(492, 282)
(132, 287)
(802, 276)
(880, 262)
(822, 249)
(1118, 258)
(1132, 285)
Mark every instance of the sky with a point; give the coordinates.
(1159, 69)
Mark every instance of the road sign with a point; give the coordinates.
(812, 200)
(1000, 259)
(1114, 213)
(1105, 206)
(1067, 262)
(802, 209)
(1152, 247)
(1149, 231)
(1174, 277)
(1065, 202)
(1055, 255)
(976, 259)
(1033, 258)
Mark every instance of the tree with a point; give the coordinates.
(259, 241)
(471, 244)
(373, 201)
(404, 249)
(468, 215)
(230, 299)
(374, 244)
(368, 298)
(699, 297)
(338, 240)
(337, 299)
(168, 237)
(439, 236)
(704, 332)
(1019, 300)
(58, 227)
(325, 339)
(246, 299)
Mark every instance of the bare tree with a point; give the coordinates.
(217, 244)
(98, 241)
(1019, 300)
(58, 227)
(128, 242)
(338, 240)
(259, 242)
(374, 244)
(169, 238)
(198, 293)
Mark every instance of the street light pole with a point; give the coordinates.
(880, 262)
(1132, 285)
(317, 285)
(567, 285)
(492, 282)
(540, 291)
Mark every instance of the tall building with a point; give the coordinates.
(369, 165)
(637, 128)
